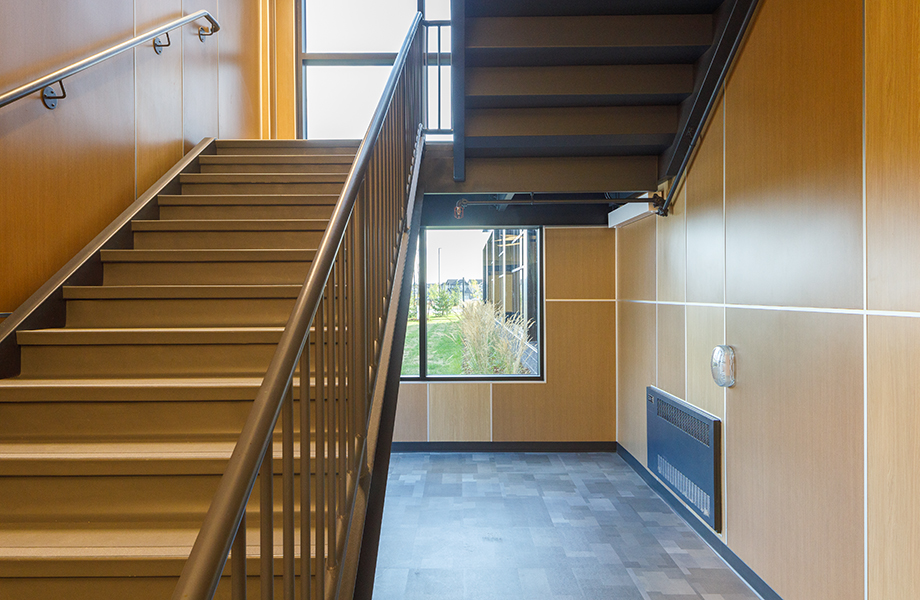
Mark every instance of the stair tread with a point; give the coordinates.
(231, 225)
(23, 389)
(112, 550)
(227, 143)
(245, 199)
(149, 292)
(262, 177)
(235, 255)
(151, 335)
(275, 159)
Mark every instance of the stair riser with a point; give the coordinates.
(261, 188)
(186, 360)
(48, 422)
(148, 360)
(266, 150)
(226, 312)
(200, 240)
(172, 213)
(205, 273)
(124, 499)
(277, 168)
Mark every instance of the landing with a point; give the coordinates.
(541, 526)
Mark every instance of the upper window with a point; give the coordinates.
(476, 307)
(358, 25)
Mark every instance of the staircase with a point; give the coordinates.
(617, 84)
(115, 433)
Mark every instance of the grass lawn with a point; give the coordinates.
(444, 348)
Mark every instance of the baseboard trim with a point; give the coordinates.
(739, 566)
(505, 446)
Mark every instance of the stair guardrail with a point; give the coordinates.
(44, 83)
(331, 355)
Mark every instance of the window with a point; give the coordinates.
(476, 306)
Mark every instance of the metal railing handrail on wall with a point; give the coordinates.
(332, 344)
(58, 76)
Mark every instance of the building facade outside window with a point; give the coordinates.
(476, 310)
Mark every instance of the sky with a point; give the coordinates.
(341, 100)
(461, 253)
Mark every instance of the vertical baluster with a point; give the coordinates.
(360, 285)
(352, 347)
(329, 374)
(340, 380)
(267, 509)
(306, 570)
(238, 563)
(287, 500)
(320, 461)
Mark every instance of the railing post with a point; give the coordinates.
(267, 513)
(238, 563)
(287, 473)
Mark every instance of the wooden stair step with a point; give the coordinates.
(205, 267)
(228, 234)
(287, 147)
(247, 206)
(179, 305)
(255, 183)
(123, 410)
(111, 459)
(276, 163)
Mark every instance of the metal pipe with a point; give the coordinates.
(52, 78)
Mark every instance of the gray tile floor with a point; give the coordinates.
(534, 526)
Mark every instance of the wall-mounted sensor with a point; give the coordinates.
(723, 365)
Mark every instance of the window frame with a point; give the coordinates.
(422, 279)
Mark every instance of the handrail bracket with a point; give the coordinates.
(158, 45)
(50, 99)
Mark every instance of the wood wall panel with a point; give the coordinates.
(793, 152)
(893, 153)
(894, 453)
(239, 115)
(65, 173)
(794, 450)
(159, 107)
(412, 413)
(705, 217)
(636, 260)
(580, 263)
(705, 331)
(672, 375)
(577, 402)
(635, 370)
(672, 250)
(200, 87)
(459, 412)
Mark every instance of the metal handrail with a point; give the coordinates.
(61, 74)
(224, 524)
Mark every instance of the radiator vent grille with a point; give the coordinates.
(683, 421)
(692, 492)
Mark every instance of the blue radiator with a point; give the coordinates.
(684, 451)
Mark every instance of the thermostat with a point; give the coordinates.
(723, 366)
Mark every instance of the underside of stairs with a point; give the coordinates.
(621, 83)
(115, 432)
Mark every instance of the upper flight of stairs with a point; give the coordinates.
(586, 78)
(115, 434)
